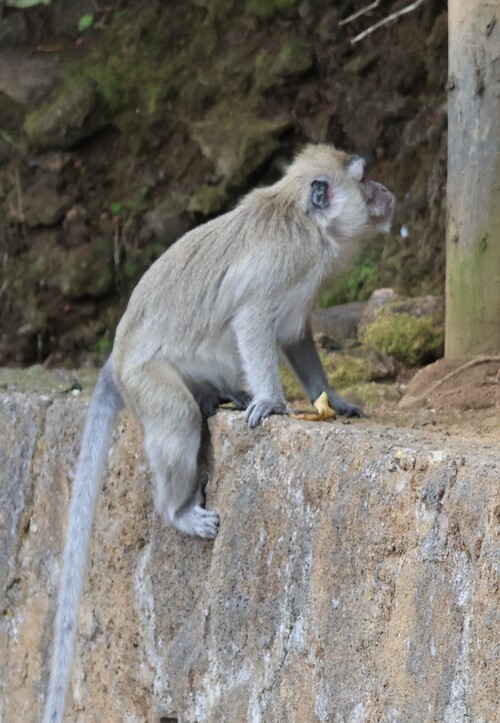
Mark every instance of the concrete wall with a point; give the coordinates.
(354, 578)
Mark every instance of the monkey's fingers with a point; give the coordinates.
(324, 410)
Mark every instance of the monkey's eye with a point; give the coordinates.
(319, 194)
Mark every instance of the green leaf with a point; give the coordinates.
(129, 268)
(85, 22)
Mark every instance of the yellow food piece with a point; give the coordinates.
(324, 410)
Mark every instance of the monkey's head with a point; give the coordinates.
(336, 195)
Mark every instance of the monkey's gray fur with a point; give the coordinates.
(204, 325)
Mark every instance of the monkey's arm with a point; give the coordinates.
(256, 337)
(209, 398)
(305, 362)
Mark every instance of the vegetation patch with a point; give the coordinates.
(409, 339)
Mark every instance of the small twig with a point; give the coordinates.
(117, 246)
(456, 372)
(127, 226)
(19, 192)
(8, 139)
(48, 49)
(388, 19)
(359, 13)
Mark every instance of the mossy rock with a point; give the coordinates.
(236, 140)
(44, 204)
(12, 115)
(343, 370)
(409, 339)
(66, 119)
(208, 200)
(293, 58)
(86, 270)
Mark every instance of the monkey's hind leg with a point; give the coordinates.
(172, 424)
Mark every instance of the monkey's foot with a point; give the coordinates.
(240, 399)
(343, 408)
(259, 410)
(197, 521)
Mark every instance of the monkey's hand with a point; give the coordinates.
(259, 409)
(343, 408)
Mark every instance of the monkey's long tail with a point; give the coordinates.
(104, 406)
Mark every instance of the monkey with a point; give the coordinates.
(206, 324)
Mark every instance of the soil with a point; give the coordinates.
(461, 397)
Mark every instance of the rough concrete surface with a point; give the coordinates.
(354, 578)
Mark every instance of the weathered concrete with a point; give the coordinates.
(355, 576)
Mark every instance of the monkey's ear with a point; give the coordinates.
(319, 194)
(356, 168)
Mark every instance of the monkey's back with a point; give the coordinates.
(182, 309)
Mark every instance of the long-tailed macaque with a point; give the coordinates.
(204, 325)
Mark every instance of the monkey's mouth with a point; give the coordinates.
(381, 205)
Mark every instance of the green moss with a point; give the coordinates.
(354, 285)
(360, 281)
(138, 62)
(343, 370)
(208, 199)
(129, 269)
(103, 346)
(405, 337)
(295, 56)
(70, 114)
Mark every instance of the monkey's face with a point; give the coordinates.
(345, 204)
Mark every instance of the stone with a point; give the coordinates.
(293, 57)
(41, 204)
(167, 221)
(338, 322)
(236, 140)
(86, 270)
(27, 78)
(65, 120)
(378, 298)
(13, 31)
(355, 575)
